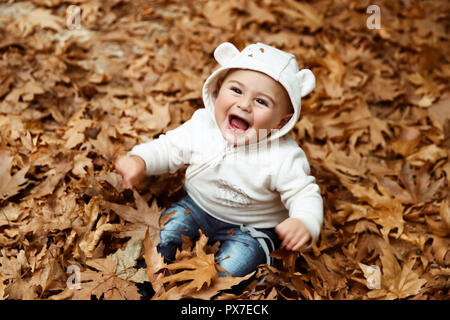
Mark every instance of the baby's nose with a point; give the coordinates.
(244, 104)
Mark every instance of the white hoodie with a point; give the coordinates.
(260, 184)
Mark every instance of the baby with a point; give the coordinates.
(247, 181)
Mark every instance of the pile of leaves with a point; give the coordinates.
(376, 131)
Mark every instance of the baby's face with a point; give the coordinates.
(249, 105)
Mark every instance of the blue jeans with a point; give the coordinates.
(245, 251)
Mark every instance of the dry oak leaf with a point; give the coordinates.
(104, 283)
(10, 185)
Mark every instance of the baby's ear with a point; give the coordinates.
(225, 52)
(307, 81)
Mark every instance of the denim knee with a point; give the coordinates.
(240, 258)
(178, 224)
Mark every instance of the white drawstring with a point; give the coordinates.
(212, 162)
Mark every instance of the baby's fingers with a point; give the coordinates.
(119, 165)
(291, 241)
(127, 184)
(304, 239)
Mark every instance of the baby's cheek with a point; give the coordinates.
(220, 107)
(265, 120)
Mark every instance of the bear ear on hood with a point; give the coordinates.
(225, 52)
(307, 81)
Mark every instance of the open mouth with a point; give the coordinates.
(238, 124)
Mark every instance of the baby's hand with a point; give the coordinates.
(293, 233)
(131, 168)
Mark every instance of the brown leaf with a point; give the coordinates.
(142, 219)
(155, 263)
(430, 153)
(421, 188)
(126, 261)
(10, 184)
(397, 282)
(218, 285)
(201, 269)
(2, 289)
(104, 146)
(104, 283)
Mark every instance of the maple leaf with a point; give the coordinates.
(126, 260)
(104, 283)
(10, 185)
(94, 229)
(103, 144)
(201, 269)
(397, 282)
(75, 133)
(157, 120)
(420, 189)
(142, 218)
(218, 285)
(53, 177)
(383, 209)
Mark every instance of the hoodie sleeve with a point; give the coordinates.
(299, 192)
(170, 151)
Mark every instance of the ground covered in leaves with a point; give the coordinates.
(376, 130)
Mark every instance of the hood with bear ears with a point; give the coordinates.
(279, 65)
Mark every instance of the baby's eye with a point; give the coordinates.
(237, 90)
(262, 102)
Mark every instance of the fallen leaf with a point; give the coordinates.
(397, 282)
(10, 184)
(201, 269)
(126, 261)
(142, 219)
(155, 263)
(102, 282)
